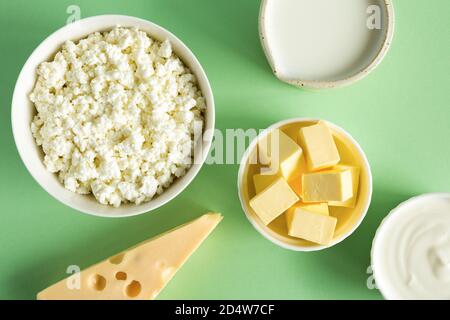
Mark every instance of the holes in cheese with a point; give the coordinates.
(117, 259)
(167, 273)
(121, 275)
(133, 289)
(141, 275)
(97, 282)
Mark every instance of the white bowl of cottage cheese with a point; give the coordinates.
(113, 115)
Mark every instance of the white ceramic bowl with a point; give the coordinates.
(353, 217)
(390, 223)
(23, 112)
(375, 49)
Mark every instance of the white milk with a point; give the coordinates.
(411, 252)
(323, 40)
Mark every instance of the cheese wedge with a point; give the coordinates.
(280, 152)
(140, 272)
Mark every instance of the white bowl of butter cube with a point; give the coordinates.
(305, 184)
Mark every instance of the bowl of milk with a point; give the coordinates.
(325, 43)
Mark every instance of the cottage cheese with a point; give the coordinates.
(115, 116)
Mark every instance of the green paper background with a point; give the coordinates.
(399, 114)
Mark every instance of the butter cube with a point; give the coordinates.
(295, 182)
(325, 186)
(311, 226)
(350, 203)
(320, 148)
(273, 200)
(319, 208)
(280, 152)
(262, 181)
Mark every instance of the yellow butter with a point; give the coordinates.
(309, 225)
(321, 208)
(350, 203)
(280, 152)
(295, 182)
(262, 181)
(325, 186)
(320, 148)
(140, 272)
(273, 200)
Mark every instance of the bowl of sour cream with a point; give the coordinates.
(411, 250)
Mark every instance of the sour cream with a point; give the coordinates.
(411, 250)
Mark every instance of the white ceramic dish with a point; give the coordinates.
(325, 43)
(389, 281)
(353, 217)
(23, 111)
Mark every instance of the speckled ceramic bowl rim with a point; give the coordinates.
(262, 231)
(317, 84)
(383, 225)
(22, 111)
